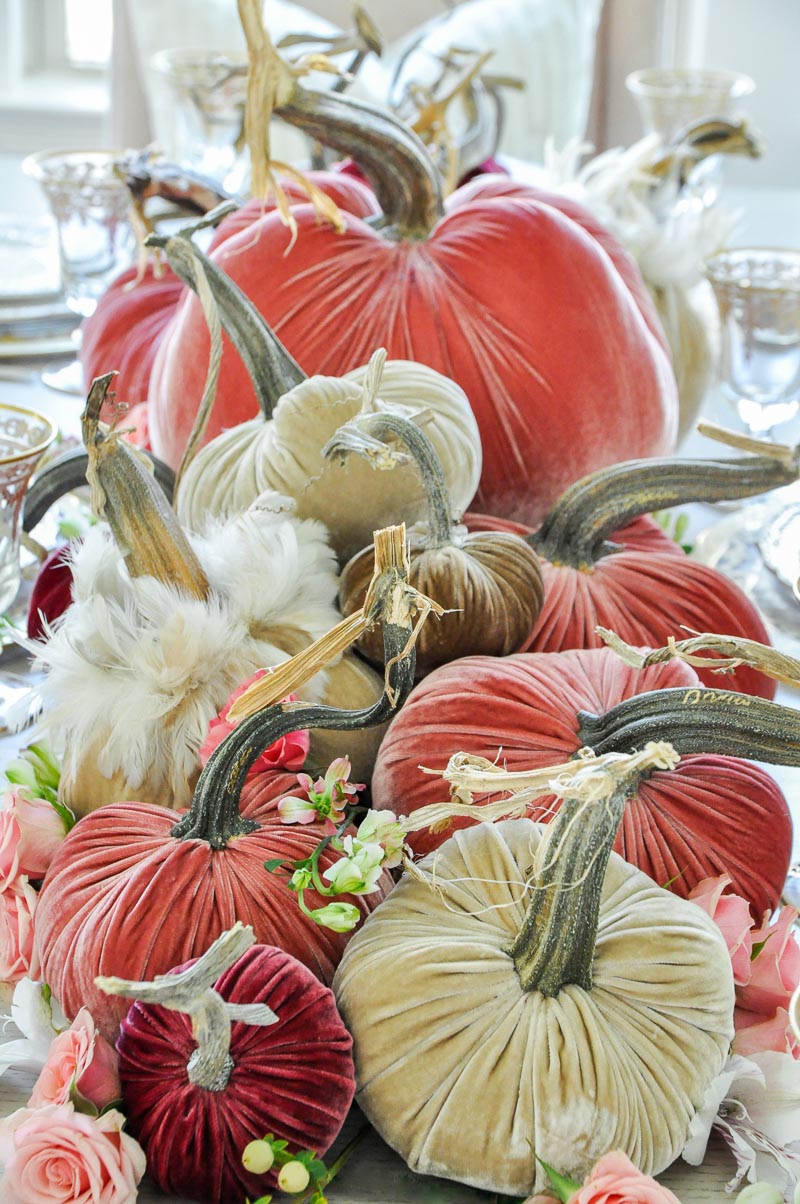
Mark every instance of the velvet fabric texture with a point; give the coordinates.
(645, 595)
(711, 815)
(293, 1079)
(469, 1076)
(519, 296)
(124, 897)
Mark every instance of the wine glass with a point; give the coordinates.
(90, 202)
(758, 295)
(25, 435)
(670, 99)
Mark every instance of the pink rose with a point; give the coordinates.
(288, 752)
(615, 1180)
(17, 955)
(82, 1056)
(55, 1155)
(775, 969)
(732, 916)
(756, 1033)
(9, 849)
(41, 831)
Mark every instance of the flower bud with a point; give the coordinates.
(339, 917)
(257, 1157)
(760, 1193)
(293, 1177)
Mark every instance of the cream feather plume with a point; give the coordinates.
(135, 669)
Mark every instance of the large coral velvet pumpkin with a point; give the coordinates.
(712, 815)
(125, 897)
(633, 579)
(518, 295)
(293, 1079)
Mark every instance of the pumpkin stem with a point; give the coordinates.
(555, 945)
(364, 435)
(192, 991)
(214, 815)
(576, 530)
(731, 652)
(125, 494)
(270, 367)
(696, 719)
(395, 161)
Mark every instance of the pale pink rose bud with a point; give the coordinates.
(82, 1056)
(9, 849)
(731, 914)
(757, 1034)
(18, 957)
(41, 831)
(55, 1155)
(775, 970)
(615, 1180)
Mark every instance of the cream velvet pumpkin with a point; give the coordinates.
(465, 1073)
(353, 500)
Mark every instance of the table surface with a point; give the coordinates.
(375, 1174)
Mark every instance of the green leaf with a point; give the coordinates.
(565, 1188)
(271, 866)
(68, 818)
(80, 1103)
(68, 528)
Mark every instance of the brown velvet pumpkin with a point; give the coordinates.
(488, 583)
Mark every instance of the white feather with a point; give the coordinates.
(135, 669)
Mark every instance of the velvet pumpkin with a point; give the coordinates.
(519, 295)
(713, 815)
(131, 318)
(131, 891)
(292, 1077)
(598, 571)
(527, 995)
(489, 585)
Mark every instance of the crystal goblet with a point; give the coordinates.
(91, 206)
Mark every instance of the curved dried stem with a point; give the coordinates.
(731, 652)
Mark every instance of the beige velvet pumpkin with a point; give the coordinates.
(465, 1073)
(284, 453)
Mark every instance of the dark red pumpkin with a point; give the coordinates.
(634, 579)
(294, 1079)
(51, 593)
(712, 815)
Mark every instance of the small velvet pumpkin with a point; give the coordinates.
(293, 1079)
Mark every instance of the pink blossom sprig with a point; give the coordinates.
(326, 799)
(376, 845)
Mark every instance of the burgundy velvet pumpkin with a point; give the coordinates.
(51, 593)
(294, 1079)
(712, 815)
(125, 897)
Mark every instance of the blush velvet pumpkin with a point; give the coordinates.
(131, 892)
(606, 564)
(714, 814)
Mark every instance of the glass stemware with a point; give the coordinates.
(91, 205)
(758, 295)
(24, 437)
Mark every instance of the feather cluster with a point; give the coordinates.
(136, 669)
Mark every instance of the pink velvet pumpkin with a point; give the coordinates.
(125, 897)
(712, 815)
(294, 1079)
